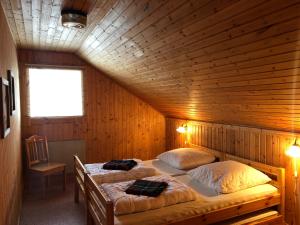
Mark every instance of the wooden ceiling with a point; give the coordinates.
(226, 61)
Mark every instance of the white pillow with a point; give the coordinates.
(228, 176)
(186, 158)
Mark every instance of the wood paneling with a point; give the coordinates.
(265, 146)
(10, 147)
(116, 123)
(221, 61)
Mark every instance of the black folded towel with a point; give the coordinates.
(120, 165)
(147, 188)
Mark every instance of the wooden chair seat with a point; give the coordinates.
(48, 168)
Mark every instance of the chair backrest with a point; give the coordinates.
(36, 150)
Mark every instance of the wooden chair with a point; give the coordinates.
(38, 160)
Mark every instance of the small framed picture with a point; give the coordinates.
(4, 108)
(11, 81)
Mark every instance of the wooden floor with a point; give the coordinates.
(56, 208)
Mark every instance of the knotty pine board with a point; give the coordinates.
(231, 62)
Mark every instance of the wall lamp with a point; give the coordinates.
(294, 153)
(182, 129)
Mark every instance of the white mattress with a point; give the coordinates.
(164, 168)
(206, 201)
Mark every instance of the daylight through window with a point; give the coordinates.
(55, 92)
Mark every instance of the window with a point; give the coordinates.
(55, 92)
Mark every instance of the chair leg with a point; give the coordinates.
(76, 192)
(44, 185)
(28, 178)
(65, 179)
(47, 181)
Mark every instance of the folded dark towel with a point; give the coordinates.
(120, 165)
(147, 188)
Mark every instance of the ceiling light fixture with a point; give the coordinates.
(73, 18)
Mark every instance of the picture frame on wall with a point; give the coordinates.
(4, 108)
(11, 81)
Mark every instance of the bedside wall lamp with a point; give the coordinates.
(294, 153)
(182, 129)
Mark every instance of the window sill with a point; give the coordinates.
(55, 120)
(55, 117)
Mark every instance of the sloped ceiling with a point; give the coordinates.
(229, 61)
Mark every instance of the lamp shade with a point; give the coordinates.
(294, 151)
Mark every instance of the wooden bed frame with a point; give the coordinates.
(100, 209)
(79, 173)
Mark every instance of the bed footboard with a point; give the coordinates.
(79, 171)
(99, 207)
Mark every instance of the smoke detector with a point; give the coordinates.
(73, 18)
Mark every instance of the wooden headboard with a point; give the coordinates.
(219, 155)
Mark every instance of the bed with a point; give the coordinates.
(107, 176)
(208, 209)
(160, 166)
(80, 170)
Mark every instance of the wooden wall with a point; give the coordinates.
(116, 123)
(10, 147)
(233, 61)
(265, 146)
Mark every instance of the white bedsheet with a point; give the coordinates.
(101, 175)
(175, 193)
(206, 200)
(164, 168)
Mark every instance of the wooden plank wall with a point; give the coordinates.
(116, 123)
(223, 61)
(10, 147)
(265, 146)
